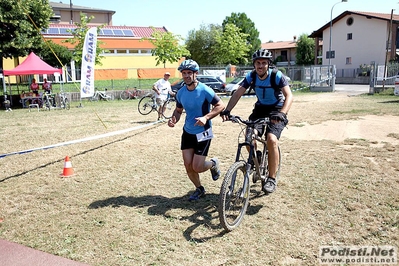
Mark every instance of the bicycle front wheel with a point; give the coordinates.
(168, 108)
(145, 105)
(66, 104)
(233, 197)
(125, 95)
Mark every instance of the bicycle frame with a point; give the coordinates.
(251, 135)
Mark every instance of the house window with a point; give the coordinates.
(349, 36)
(349, 60)
(349, 21)
(284, 55)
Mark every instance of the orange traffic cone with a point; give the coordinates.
(68, 170)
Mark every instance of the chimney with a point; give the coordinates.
(294, 38)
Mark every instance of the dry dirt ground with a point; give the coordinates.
(127, 202)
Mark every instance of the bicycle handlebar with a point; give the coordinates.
(237, 119)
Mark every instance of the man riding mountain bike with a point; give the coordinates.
(274, 99)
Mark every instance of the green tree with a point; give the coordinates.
(305, 50)
(78, 39)
(167, 47)
(202, 43)
(231, 46)
(248, 27)
(54, 54)
(20, 24)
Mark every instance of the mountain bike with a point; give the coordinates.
(235, 189)
(148, 103)
(129, 94)
(102, 95)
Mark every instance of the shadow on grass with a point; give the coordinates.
(204, 210)
(395, 101)
(81, 153)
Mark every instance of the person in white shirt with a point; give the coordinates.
(162, 90)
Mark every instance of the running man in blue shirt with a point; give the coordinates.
(196, 99)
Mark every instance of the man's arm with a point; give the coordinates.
(216, 110)
(234, 100)
(154, 88)
(288, 99)
(175, 117)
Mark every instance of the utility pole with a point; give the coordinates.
(386, 54)
(70, 6)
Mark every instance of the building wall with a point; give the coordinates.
(367, 35)
(99, 17)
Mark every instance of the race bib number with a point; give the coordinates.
(205, 135)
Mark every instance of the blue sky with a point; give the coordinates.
(277, 20)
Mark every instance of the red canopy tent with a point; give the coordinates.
(32, 65)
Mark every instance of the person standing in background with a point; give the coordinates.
(162, 90)
(34, 87)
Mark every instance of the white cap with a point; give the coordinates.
(167, 73)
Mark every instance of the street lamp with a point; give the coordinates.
(329, 49)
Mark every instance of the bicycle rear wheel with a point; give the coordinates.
(66, 104)
(168, 107)
(145, 105)
(233, 198)
(125, 95)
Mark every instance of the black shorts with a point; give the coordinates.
(189, 141)
(261, 111)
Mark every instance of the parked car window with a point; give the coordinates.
(213, 82)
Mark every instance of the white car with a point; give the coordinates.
(233, 86)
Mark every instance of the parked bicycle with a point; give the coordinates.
(102, 95)
(148, 103)
(64, 102)
(235, 189)
(129, 94)
(48, 101)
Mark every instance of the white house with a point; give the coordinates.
(358, 38)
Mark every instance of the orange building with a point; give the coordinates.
(125, 53)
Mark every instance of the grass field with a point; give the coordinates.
(127, 202)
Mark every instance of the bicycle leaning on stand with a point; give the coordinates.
(102, 95)
(48, 100)
(235, 189)
(148, 103)
(64, 102)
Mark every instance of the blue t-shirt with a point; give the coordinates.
(197, 103)
(266, 94)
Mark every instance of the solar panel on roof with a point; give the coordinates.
(53, 31)
(118, 32)
(64, 31)
(128, 32)
(107, 32)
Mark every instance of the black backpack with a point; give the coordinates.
(272, 80)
